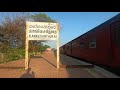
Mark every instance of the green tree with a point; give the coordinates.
(44, 47)
(41, 17)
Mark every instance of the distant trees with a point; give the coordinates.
(44, 47)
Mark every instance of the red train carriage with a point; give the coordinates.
(62, 50)
(100, 45)
(115, 42)
(68, 49)
(94, 46)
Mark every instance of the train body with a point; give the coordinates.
(101, 45)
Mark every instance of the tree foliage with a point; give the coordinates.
(41, 17)
(44, 47)
(13, 31)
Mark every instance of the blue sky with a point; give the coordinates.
(75, 24)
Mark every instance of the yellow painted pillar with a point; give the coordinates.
(26, 47)
(58, 45)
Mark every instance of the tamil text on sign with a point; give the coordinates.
(42, 31)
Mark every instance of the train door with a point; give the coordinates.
(115, 37)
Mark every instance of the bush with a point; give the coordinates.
(11, 54)
(43, 48)
(14, 54)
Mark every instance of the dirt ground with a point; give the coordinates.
(12, 69)
(44, 66)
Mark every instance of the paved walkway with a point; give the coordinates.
(44, 66)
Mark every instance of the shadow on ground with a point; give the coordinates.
(44, 59)
(49, 62)
(27, 74)
(73, 71)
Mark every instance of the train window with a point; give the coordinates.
(117, 36)
(81, 45)
(67, 47)
(92, 43)
(116, 30)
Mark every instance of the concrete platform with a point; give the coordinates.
(97, 71)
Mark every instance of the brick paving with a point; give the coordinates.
(44, 66)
